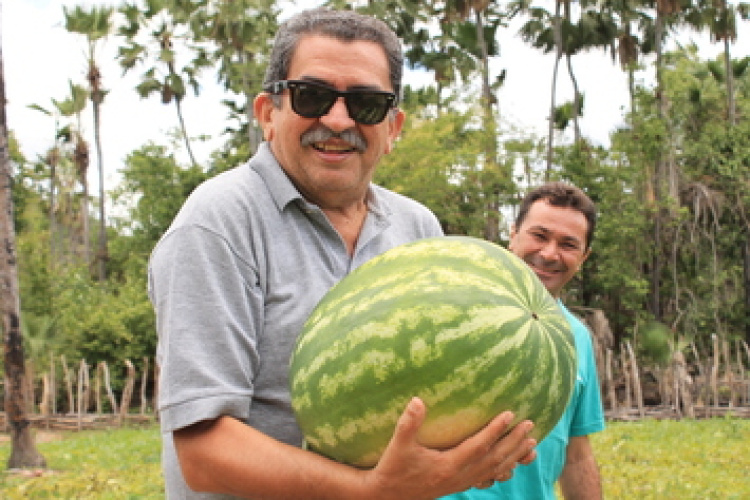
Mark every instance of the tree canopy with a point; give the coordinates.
(673, 244)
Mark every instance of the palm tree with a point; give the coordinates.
(95, 24)
(557, 32)
(168, 22)
(240, 30)
(68, 136)
(23, 450)
(73, 106)
(721, 18)
(472, 26)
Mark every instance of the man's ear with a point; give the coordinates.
(395, 125)
(585, 256)
(263, 107)
(512, 236)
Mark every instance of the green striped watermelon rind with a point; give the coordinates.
(423, 320)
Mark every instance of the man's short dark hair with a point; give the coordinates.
(560, 194)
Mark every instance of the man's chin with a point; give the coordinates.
(549, 282)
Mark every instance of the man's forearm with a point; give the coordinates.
(580, 479)
(226, 456)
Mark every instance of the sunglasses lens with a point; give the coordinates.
(368, 108)
(312, 101)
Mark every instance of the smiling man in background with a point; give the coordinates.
(552, 233)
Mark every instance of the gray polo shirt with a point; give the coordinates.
(232, 282)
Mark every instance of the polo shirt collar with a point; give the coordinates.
(284, 192)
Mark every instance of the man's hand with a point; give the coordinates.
(409, 470)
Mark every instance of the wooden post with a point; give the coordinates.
(98, 390)
(746, 379)
(626, 376)
(609, 381)
(676, 387)
(701, 388)
(127, 392)
(636, 380)
(684, 383)
(68, 385)
(83, 392)
(715, 371)
(670, 396)
(44, 405)
(53, 383)
(144, 386)
(108, 387)
(728, 372)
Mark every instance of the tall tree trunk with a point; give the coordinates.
(102, 254)
(492, 224)
(23, 450)
(576, 100)
(185, 136)
(557, 28)
(730, 84)
(660, 177)
(53, 159)
(746, 276)
(81, 160)
(573, 81)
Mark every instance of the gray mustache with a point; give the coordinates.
(322, 134)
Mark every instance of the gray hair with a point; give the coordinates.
(342, 25)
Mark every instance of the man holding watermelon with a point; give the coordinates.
(251, 253)
(552, 234)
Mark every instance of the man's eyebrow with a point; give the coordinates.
(539, 228)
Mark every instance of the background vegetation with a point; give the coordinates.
(651, 459)
(673, 245)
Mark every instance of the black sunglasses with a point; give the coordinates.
(313, 100)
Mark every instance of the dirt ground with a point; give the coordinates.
(40, 436)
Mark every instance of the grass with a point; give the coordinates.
(121, 464)
(700, 460)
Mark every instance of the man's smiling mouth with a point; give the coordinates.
(333, 148)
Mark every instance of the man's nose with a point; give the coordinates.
(337, 118)
(549, 250)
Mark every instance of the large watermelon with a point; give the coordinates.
(460, 322)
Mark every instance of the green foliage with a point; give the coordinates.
(103, 324)
(654, 343)
(151, 193)
(95, 23)
(446, 178)
(683, 163)
(75, 103)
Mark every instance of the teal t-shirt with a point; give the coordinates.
(584, 415)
